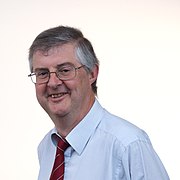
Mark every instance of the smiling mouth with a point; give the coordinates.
(57, 95)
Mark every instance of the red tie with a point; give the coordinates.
(58, 168)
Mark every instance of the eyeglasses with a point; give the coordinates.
(64, 73)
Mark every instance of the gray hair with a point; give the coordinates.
(60, 35)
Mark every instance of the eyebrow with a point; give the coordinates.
(57, 66)
(40, 69)
(65, 64)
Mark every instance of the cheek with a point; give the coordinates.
(40, 92)
(83, 86)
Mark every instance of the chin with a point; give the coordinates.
(57, 111)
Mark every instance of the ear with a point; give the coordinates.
(94, 74)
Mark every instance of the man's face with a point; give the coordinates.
(72, 97)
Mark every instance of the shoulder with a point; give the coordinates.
(122, 130)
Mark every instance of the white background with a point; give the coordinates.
(138, 45)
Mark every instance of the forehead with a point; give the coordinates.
(55, 56)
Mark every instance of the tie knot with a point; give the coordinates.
(62, 144)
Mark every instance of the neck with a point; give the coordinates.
(66, 123)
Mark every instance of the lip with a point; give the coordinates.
(57, 96)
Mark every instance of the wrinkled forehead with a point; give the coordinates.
(56, 55)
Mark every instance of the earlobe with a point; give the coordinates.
(94, 73)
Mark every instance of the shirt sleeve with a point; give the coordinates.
(140, 162)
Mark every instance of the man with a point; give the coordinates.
(100, 146)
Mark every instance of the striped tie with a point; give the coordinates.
(58, 168)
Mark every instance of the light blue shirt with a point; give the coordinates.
(103, 147)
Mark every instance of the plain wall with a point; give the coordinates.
(137, 43)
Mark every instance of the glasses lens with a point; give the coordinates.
(66, 72)
(41, 76)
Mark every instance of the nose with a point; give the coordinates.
(54, 81)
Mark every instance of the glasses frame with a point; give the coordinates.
(62, 79)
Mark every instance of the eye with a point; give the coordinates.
(42, 74)
(65, 70)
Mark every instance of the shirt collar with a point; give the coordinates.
(80, 135)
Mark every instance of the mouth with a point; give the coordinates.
(54, 96)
